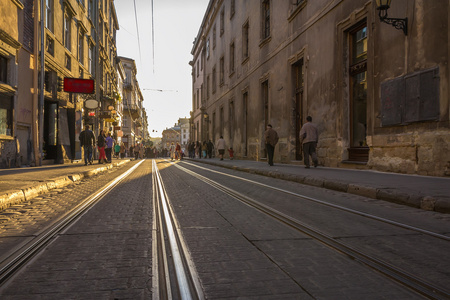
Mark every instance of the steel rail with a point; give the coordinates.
(161, 284)
(187, 279)
(14, 262)
(406, 279)
(343, 208)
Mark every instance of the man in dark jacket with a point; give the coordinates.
(271, 139)
(87, 141)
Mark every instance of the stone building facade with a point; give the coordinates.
(18, 83)
(79, 41)
(379, 95)
(134, 119)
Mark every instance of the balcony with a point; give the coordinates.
(127, 85)
(131, 109)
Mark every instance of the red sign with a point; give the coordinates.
(77, 85)
(91, 114)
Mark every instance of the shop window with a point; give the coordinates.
(6, 108)
(3, 69)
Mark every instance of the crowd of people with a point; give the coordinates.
(107, 147)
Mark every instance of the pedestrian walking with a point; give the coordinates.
(87, 141)
(178, 151)
(204, 149)
(172, 151)
(210, 149)
(309, 135)
(141, 151)
(271, 139)
(136, 149)
(116, 150)
(198, 150)
(231, 153)
(101, 143)
(109, 147)
(122, 150)
(221, 146)
(191, 150)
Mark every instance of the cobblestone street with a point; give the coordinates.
(237, 251)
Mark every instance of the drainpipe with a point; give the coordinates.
(41, 88)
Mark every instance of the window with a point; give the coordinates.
(265, 99)
(245, 37)
(6, 108)
(358, 85)
(198, 61)
(214, 79)
(67, 31)
(49, 14)
(198, 99)
(231, 121)
(207, 48)
(231, 58)
(3, 69)
(222, 71)
(81, 47)
(68, 62)
(28, 26)
(214, 36)
(91, 59)
(50, 47)
(207, 87)
(91, 9)
(265, 19)
(222, 21)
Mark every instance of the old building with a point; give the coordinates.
(378, 94)
(18, 83)
(40, 118)
(184, 131)
(134, 118)
(170, 135)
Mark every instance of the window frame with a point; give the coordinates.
(265, 19)
(245, 41)
(67, 30)
(49, 16)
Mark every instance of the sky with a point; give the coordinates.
(176, 24)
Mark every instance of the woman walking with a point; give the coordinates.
(101, 143)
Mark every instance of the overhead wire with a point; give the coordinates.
(137, 30)
(153, 40)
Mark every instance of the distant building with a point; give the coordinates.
(184, 131)
(134, 117)
(170, 135)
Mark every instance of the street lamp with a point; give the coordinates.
(382, 7)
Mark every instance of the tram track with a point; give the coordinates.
(339, 207)
(23, 254)
(173, 270)
(397, 274)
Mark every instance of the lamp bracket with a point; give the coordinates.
(396, 22)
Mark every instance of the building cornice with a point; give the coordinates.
(5, 37)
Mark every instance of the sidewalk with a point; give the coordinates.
(22, 184)
(429, 193)
(425, 192)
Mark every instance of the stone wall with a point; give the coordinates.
(424, 153)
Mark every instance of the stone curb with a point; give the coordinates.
(430, 203)
(13, 197)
